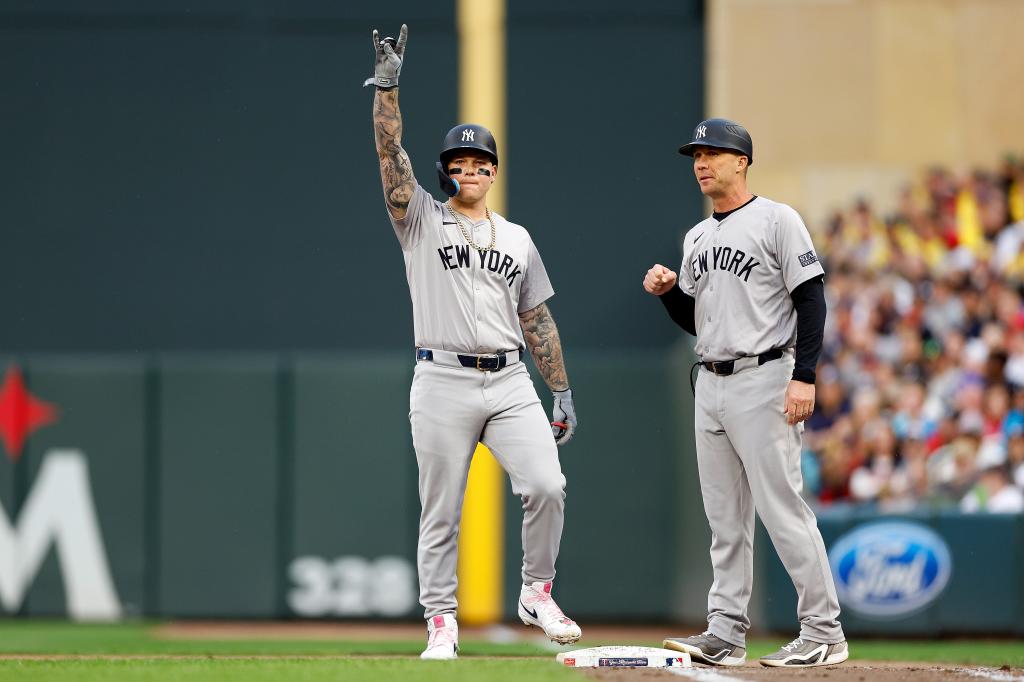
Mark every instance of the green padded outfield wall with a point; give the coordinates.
(352, 546)
(219, 506)
(10, 470)
(101, 403)
(76, 489)
(258, 485)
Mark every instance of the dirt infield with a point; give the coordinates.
(851, 671)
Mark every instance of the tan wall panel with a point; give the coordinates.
(854, 97)
(917, 81)
(781, 79)
(992, 62)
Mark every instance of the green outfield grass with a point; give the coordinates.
(322, 660)
(291, 670)
(40, 637)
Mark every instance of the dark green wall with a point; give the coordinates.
(266, 485)
(102, 415)
(203, 177)
(599, 102)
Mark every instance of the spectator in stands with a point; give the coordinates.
(994, 493)
(921, 386)
(1015, 455)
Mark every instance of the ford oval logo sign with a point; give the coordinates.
(890, 568)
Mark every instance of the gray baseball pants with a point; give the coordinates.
(749, 458)
(451, 409)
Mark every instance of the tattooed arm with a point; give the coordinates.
(541, 337)
(395, 166)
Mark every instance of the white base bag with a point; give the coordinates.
(624, 657)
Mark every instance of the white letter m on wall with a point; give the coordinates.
(59, 510)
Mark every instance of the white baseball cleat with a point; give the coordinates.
(536, 607)
(442, 638)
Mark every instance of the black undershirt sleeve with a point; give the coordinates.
(809, 301)
(680, 308)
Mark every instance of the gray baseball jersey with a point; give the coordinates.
(466, 300)
(741, 271)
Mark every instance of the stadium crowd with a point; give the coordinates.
(920, 395)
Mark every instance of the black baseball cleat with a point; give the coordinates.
(803, 653)
(706, 648)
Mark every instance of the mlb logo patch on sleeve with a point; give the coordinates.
(808, 258)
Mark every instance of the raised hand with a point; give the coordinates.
(389, 55)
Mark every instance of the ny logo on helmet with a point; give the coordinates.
(467, 135)
(702, 130)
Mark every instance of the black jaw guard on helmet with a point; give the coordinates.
(449, 185)
(721, 133)
(465, 136)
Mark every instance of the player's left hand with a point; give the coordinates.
(799, 401)
(563, 416)
(389, 56)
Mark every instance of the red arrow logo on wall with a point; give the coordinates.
(21, 413)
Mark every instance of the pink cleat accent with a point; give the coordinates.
(442, 638)
(537, 607)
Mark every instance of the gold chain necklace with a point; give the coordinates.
(465, 233)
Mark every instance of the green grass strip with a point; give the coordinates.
(44, 637)
(352, 670)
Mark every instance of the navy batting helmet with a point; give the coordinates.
(721, 133)
(469, 136)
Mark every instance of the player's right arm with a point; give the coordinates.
(395, 166)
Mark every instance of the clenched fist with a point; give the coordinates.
(658, 280)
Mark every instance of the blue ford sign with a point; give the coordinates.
(889, 568)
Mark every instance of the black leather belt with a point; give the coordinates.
(725, 367)
(484, 363)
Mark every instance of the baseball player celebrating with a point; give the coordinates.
(478, 290)
(750, 289)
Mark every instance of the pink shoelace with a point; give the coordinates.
(543, 600)
(441, 637)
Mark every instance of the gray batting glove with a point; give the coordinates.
(388, 63)
(563, 414)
